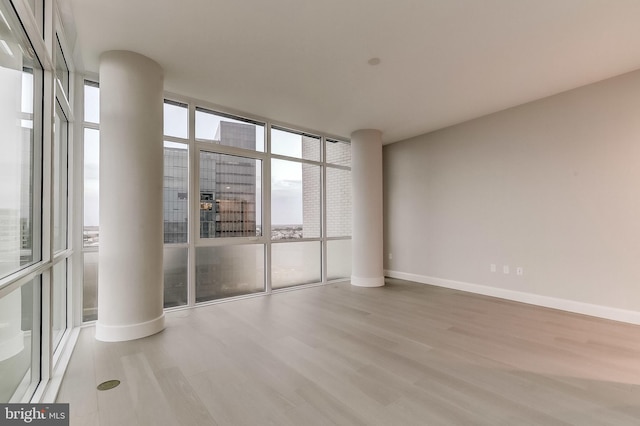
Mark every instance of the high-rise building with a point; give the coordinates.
(227, 188)
(175, 195)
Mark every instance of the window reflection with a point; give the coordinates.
(20, 172)
(62, 70)
(17, 340)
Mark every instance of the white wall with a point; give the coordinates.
(552, 186)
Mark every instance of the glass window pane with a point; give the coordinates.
(17, 340)
(176, 274)
(60, 174)
(175, 192)
(230, 196)
(59, 313)
(20, 170)
(91, 187)
(27, 98)
(338, 202)
(338, 259)
(338, 152)
(229, 271)
(32, 3)
(297, 145)
(91, 102)
(176, 119)
(229, 130)
(295, 264)
(37, 7)
(62, 70)
(295, 200)
(90, 287)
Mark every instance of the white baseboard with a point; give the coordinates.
(600, 311)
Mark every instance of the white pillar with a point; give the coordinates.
(130, 280)
(366, 181)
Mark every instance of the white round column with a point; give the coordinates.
(130, 275)
(366, 182)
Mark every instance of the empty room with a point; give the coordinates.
(301, 212)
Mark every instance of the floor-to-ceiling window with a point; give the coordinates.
(59, 275)
(230, 241)
(35, 251)
(21, 198)
(338, 209)
(91, 198)
(249, 206)
(60, 206)
(175, 199)
(296, 208)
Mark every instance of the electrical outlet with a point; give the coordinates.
(390, 256)
(505, 269)
(519, 271)
(493, 267)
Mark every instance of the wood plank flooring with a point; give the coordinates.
(403, 354)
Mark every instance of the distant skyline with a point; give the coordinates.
(286, 176)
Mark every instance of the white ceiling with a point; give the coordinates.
(304, 62)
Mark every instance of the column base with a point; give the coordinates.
(367, 282)
(121, 333)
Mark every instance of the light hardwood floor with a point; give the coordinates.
(403, 354)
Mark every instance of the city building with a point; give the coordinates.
(175, 195)
(450, 187)
(228, 186)
(227, 189)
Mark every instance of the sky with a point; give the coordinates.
(286, 176)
